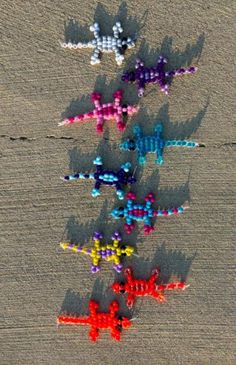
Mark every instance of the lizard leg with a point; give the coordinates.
(95, 58)
(94, 333)
(120, 193)
(96, 190)
(154, 276)
(130, 301)
(137, 131)
(98, 163)
(118, 56)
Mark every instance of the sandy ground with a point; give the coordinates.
(40, 83)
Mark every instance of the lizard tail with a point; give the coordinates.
(77, 176)
(72, 320)
(171, 286)
(75, 248)
(182, 143)
(181, 71)
(171, 211)
(77, 118)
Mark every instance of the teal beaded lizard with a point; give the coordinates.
(142, 213)
(153, 144)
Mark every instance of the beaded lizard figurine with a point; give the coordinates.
(99, 321)
(106, 44)
(106, 177)
(142, 288)
(137, 212)
(154, 75)
(102, 112)
(112, 252)
(153, 144)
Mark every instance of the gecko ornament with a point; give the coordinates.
(142, 288)
(113, 252)
(111, 111)
(138, 212)
(106, 44)
(153, 144)
(154, 75)
(106, 177)
(99, 321)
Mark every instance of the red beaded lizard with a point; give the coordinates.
(104, 112)
(99, 320)
(142, 288)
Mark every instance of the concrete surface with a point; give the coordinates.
(40, 82)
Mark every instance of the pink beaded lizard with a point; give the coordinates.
(137, 212)
(142, 288)
(102, 112)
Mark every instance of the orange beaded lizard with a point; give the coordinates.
(99, 320)
(142, 288)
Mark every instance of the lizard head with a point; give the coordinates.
(127, 42)
(128, 145)
(128, 76)
(118, 288)
(118, 213)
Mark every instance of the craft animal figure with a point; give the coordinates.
(99, 321)
(143, 288)
(153, 144)
(137, 212)
(106, 177)
(106, 44)
(102, 112)
(112, 252)
(154, 75)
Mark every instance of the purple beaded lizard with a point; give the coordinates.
(137, 212)
(112, 252)
(106, 177)
(154, 75)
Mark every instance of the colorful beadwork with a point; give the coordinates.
(97, 321)
(113, 252)
(153, 144)
(154, 75)
(143, 288)
(104, 44)
(106, 177)
(137, 212)
(103, 112)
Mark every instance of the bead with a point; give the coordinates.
(153, 144)
(143, 75)
(142, 288)
(105, 177)
(102, 112)
(102, 320)
(106, 44)
(141, 213)
(113, 252)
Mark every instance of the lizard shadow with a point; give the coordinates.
(171, 130)
(76, 305)
(132, 25)
(172, 264)
(84, 104)
(176, 58)
(74, 32)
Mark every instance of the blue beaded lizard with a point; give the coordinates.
(106, 177)
(132, 212)
(153, 144)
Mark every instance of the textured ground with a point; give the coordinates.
(39, 83)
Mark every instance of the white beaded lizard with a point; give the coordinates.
(106, 44)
